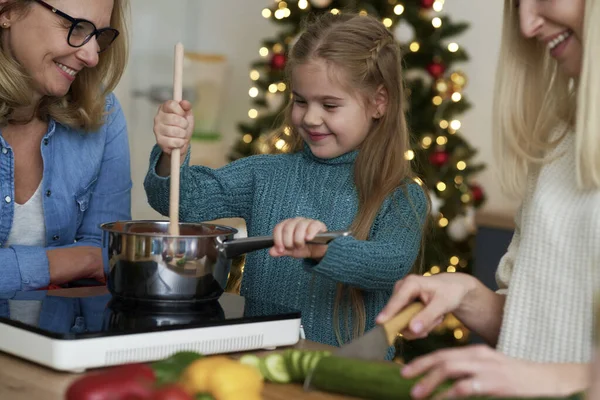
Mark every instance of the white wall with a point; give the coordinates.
(236, 29)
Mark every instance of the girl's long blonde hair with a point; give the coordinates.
(532, 97)
(363, 48)
(83, 106)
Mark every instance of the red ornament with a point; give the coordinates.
(477, 193)
(278, 62)
(436, 69)
(439, 158)
(427, 3)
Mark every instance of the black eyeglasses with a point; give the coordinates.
(82, 30)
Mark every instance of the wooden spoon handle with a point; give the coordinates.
(176, 153)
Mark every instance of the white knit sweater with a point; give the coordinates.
(551, 271)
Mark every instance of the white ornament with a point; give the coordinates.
(320, 3)
(458, 230)
(436, 204)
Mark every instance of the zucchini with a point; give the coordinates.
(364, 379)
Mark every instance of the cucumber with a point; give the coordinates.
(364, 379)
(296, 370)
(250, 359)
(275, 369)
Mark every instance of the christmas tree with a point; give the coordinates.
(440, 155)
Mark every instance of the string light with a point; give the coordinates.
(362, 13)
(266, 13)
(273, 88)
(247, 138)
(453, 47)
(437, 100)
(280, 144)
(461, 165)
(398, 9)
(277, 48)
(280, 14)
(444, 124)
(263, 52)
(287, 131)
(426, 142)
(254, 75)
(435, 270)
(253, 113)
(454, 260)
(335, 11)
(458, 179)
(441, 140)
(387, 22)
(253, 92)
(436, 22)
(456, 97)
(443, 222)
(414, 47)
(441, 186)
(465, 198)
(458, 334)
(409, 155)
(451, 268)
(438, 5)
(455, 124)
(281, 87)
(303, 4)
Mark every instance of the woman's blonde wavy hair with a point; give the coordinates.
(83, 106)
(532, 98)
(367, 55)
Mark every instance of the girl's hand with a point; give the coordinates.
(441, 294)
(482, 371)
(290, 237)
(173, 126)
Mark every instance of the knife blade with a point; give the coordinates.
(374, 344)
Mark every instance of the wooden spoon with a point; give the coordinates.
(176, 153)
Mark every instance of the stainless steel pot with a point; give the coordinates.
(147, 264)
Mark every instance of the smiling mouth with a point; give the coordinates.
(68, 70)
(559, 39)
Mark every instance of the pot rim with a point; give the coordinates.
(109, 227)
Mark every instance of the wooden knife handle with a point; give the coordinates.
(400, 322)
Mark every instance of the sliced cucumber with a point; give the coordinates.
(296, 370)
(250, 359)
(275, 368)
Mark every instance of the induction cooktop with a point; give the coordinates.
(68, 331)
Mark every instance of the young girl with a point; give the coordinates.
(348, 171)
(547, 125)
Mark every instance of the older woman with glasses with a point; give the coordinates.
(64, 154)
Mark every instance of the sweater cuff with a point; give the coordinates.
(34, 266)
(155, 156)
(334, 256)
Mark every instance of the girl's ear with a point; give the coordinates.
(380, 102)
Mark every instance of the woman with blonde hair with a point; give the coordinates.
(64, 156)
(546, 134)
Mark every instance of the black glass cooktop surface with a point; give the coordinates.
(62, 314)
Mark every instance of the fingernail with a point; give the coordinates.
(417, 327)
(406, 370)
(417, 391)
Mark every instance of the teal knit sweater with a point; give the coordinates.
(267, 189)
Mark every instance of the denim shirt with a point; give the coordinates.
(86, 182)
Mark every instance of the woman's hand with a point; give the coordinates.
(482, 371)
(441, 294)
(290, 237)
(173, 126)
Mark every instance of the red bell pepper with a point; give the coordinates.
(131, 381)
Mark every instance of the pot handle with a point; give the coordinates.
(237, 247)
